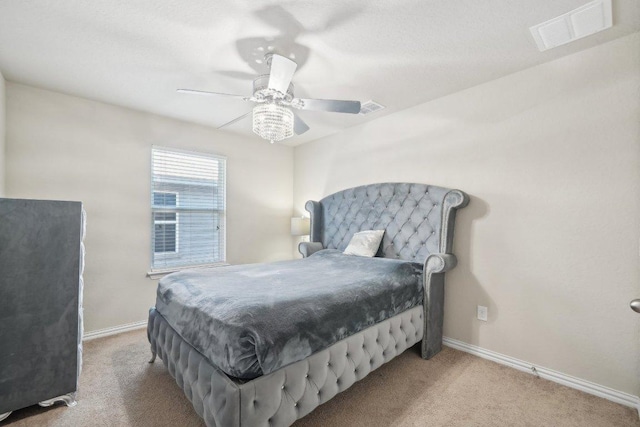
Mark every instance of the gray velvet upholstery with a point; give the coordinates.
(435, 267)
(250, 320)
(290, 393)
(410, 214)
(418, 220)
(41, 260)
(309, 248)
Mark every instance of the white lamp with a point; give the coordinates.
(300, 226)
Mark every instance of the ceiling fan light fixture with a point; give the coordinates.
(272, 122)
(273, 118)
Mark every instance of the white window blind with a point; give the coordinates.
(188, 198)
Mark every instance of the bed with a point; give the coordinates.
(265, 344)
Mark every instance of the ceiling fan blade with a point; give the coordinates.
(282, 70)
(333, 105)
(237, 119)
(202, 92)
(299, 126)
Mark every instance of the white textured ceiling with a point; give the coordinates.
(398, 52)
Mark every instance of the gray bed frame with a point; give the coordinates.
(418, 220)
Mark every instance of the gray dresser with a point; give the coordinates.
(41, 264)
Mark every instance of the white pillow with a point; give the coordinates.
(365, 243)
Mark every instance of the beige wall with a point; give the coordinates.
(64, 147)
(2, 133)
(551, 159)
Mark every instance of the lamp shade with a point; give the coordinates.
(300, 226)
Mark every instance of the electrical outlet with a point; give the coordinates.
(483, 313)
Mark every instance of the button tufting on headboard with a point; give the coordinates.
(410, 214)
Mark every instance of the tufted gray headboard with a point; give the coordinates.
(417, 218)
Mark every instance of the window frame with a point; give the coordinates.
(158, 272)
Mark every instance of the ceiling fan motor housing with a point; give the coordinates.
(262, 92)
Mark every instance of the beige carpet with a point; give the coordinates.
(119, 388)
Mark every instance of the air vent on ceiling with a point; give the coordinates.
(370, 107)
(588, 19)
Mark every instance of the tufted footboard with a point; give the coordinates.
(290, 393)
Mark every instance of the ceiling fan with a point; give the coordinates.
(273, 118)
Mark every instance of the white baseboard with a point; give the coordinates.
(548, 374)
(101, 333)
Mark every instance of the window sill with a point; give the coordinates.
(157, 274)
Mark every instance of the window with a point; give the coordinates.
(188, 197)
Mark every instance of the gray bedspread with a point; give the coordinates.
(250, 320)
